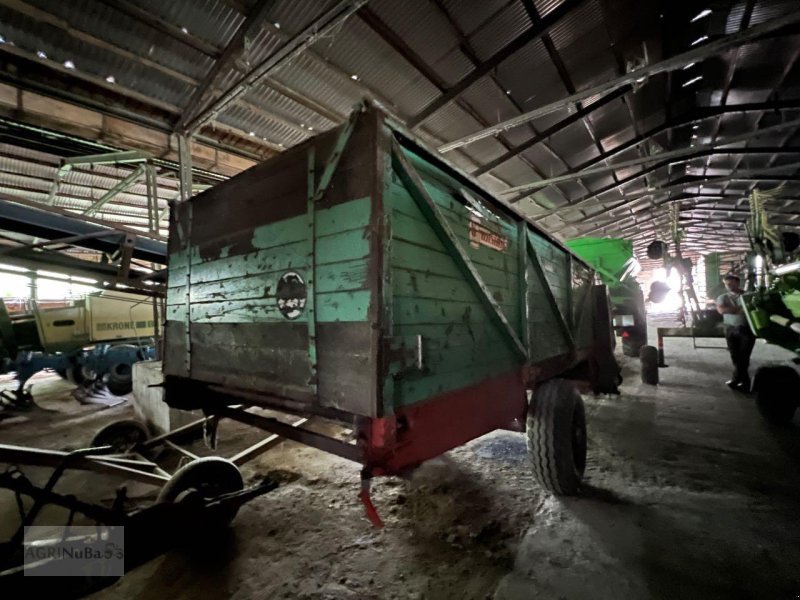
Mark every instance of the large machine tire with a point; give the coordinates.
(210, 476)
(776, 389)
(556, 432)
(648, 355)
(119, 380)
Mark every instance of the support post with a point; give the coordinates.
(185, 166)
(315, 192)
(311, 284)
(152, 198)
(522, 267)
(661, 362)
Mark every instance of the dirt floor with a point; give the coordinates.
(689, 495)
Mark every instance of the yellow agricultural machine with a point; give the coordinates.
(94, 338)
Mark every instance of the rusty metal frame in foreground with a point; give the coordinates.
(135, 466)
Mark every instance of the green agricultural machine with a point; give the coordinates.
(97, 337)
(773, 309)
(614, 262)
(362, 278)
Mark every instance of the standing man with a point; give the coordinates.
(737, 333)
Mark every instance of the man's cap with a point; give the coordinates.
(731, 276)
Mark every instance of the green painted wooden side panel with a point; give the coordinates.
(233, 299)
(431, 297)
(547, 339)
(242, 288)
(555, 264)
(582, 283)
(332, 307)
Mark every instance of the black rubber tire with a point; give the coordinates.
(75, 375)
(648, 355)
(119, 380)
(776, 388)
(631, 346)
(210, 476)
(123, 436)
(556, 433)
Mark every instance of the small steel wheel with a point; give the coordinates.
(210, 476)
(123, 436)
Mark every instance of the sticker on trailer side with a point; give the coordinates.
(480, 235)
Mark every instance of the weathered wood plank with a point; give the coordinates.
(331, 307)
(410, 310)
(346, 370)
(290, 335)
(556, 311)
(412, 231)
(421, 284)
(410, 256)
(339, 247)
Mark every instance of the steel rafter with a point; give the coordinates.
(638, 75)
(484, 68)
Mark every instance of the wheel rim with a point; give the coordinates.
(207, 478)
(122, 438)
(206, 490)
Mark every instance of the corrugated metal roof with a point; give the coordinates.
(501, 29)
(169, 69)
(211, 20)
(381, 69)
(294, 16)
(546, 6)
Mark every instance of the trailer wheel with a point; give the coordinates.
(774, 387)
(210, 476)
(632, 344)
(556, 431)
(123, 436)
(120, 379)
(648, 355)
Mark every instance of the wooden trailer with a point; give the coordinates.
(361, 277)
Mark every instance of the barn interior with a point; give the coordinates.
(334, 299)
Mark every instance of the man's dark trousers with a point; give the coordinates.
(740, 344)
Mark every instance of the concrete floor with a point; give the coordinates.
(689, 495)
